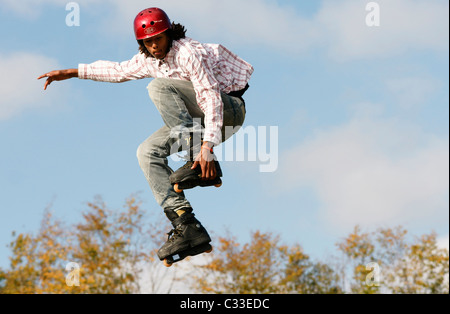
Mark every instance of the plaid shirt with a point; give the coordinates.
(210, 67)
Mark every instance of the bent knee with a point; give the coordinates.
(140, 153)
(156, 85)
(148, 151)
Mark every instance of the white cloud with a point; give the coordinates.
(25, 8)
(19, 88)
(34, 8)
(404, 25)
(372, 171)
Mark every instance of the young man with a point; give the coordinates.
(198, 91)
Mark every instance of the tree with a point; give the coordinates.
(36, 263)
(384, 261)
(424, 269)
(318, 278)
(111, 248)
(114, 251)
(263, 266)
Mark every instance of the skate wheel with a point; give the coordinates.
(166, 263)
(177, 189)
(218, 185)
(209, 251)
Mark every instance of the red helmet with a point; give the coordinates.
(151, 22)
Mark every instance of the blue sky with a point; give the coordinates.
(362, 116)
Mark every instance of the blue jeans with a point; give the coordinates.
(177, 104)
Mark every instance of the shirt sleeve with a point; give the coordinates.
(207, 93)
(115, 72)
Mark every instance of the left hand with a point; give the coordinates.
(58, 75)
(206, 161)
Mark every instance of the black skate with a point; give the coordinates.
(186, 178)
(188, 238)
(171, 259)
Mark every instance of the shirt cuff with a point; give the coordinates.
(82, 71)
(216, 139)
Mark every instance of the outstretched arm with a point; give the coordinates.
(58, 75)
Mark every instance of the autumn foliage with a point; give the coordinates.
(114, 251)
(264, 266)
(108, 246)
(402, 267)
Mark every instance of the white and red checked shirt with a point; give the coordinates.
(210, 67)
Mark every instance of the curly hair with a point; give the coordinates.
(177, 32)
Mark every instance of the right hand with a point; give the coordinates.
(58, 75)
(206, 159)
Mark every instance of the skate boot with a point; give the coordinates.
(188, 238)
(186, 178)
